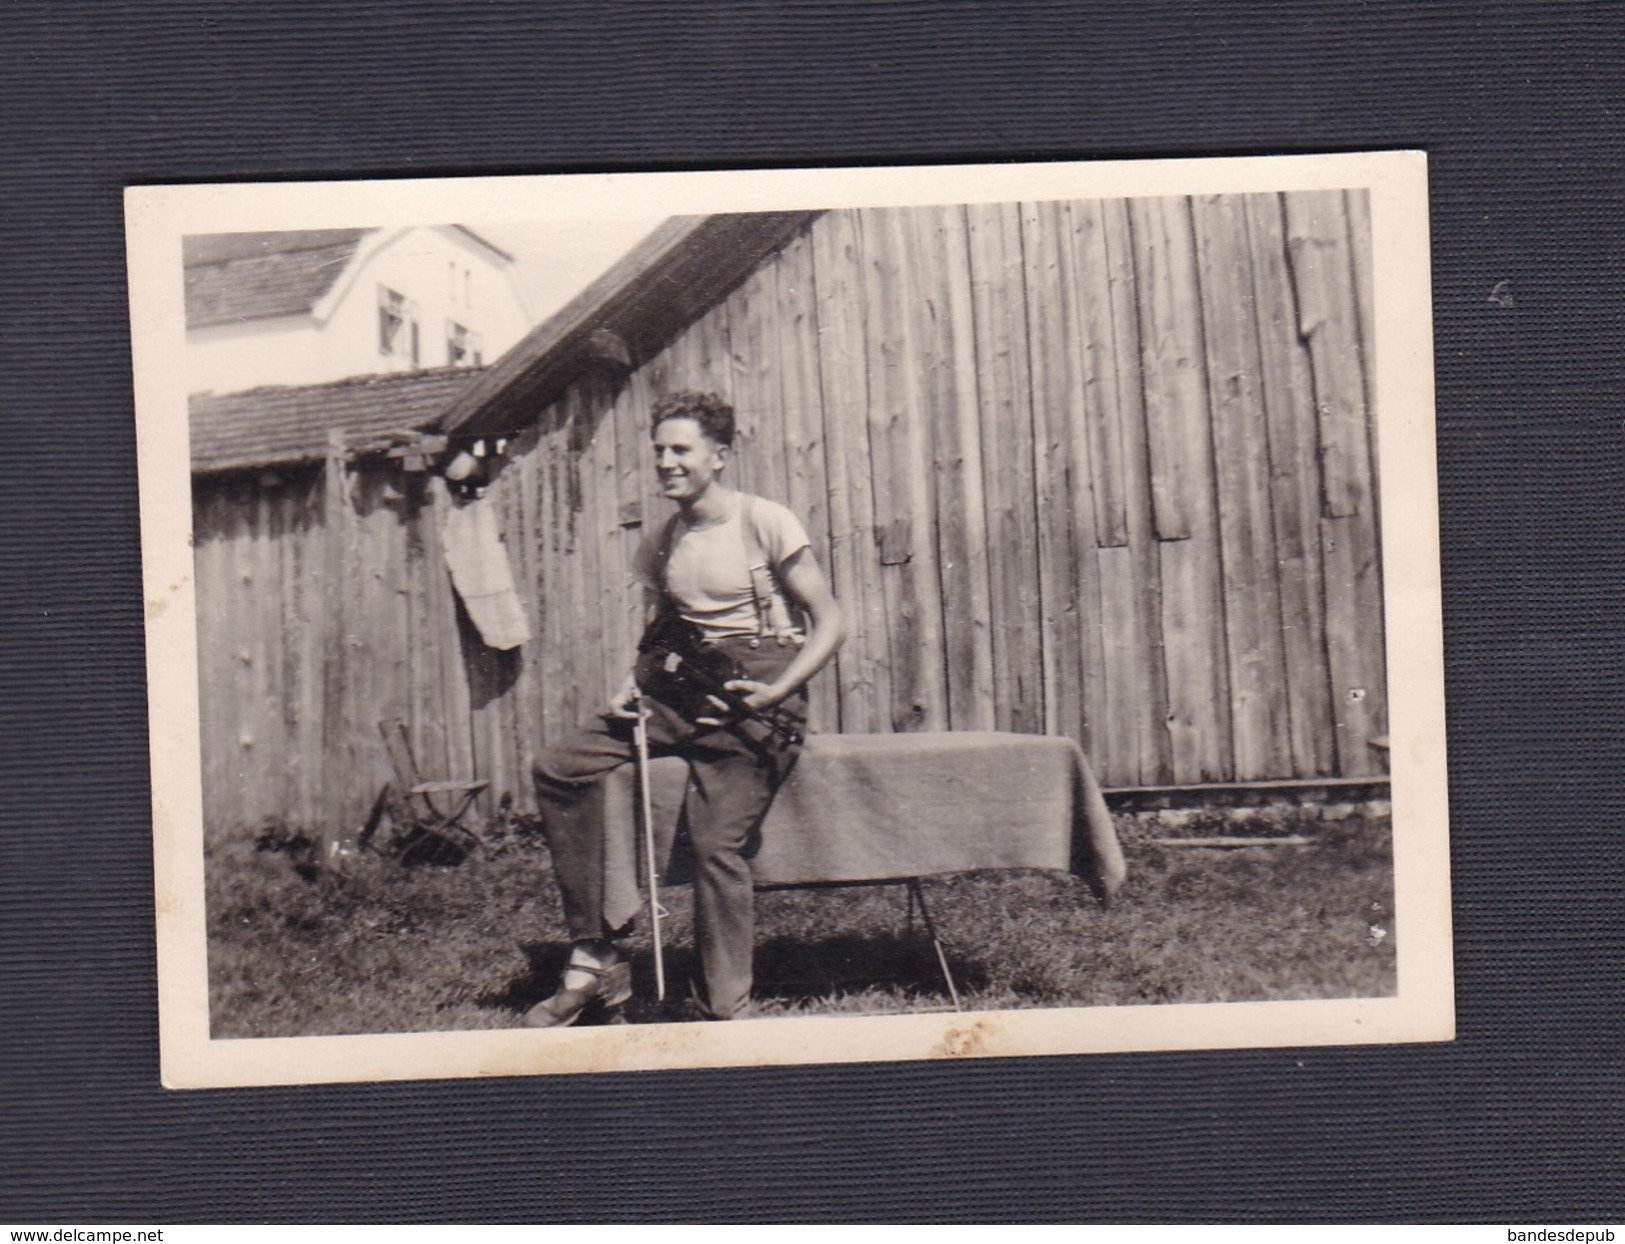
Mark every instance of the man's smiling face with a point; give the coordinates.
(686, 459)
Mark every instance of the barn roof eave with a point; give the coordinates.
(665, 283)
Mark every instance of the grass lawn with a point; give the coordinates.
(374, 946)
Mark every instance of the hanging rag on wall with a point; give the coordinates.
(478, 561)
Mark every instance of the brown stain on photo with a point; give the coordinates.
(966, 1041)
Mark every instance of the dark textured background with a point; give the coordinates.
(1520, 106)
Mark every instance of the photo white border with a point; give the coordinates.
(157, 217)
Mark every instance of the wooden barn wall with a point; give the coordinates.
(1103, 469)
(1096, 468)
(312, 631)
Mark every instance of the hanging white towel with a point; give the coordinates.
(478, 561)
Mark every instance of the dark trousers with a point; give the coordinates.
(735, 772)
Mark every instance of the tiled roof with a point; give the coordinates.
(284, 424)
(232, 277)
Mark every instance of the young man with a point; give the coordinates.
(723, 565)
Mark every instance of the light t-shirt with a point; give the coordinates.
(708, 568)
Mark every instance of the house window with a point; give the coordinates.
(463, 347)
(397, 326)
(391, 320)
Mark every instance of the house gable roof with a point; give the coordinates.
(485, 242)
(231, 277)
(279, 425)
(675, 275)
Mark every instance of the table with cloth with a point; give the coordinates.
(894, 807)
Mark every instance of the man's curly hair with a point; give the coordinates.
(709, 410)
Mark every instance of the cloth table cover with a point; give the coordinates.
(878, 807)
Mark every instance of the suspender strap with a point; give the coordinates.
(772, 610)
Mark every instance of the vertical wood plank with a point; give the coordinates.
(1135, 749)
(1170, 345)
(1117, 748)
(714, 361)
(217, 559)
(282, 641)
(905, 526)
(1354, 641)
(1259, 715)
(1197, 725)
(556, 700)
(484, 670)
(513, 722)
(260, 754)
(527, 690)
(207, 575)
(313, 551)
(585, 554)
(802, 409)
(245, 590)
(863, 668)
(335, 531)
(1329, 323)
(250, 655)
(227, 669)
(610, 572)
(566, 589)
(904, 523)
(272, 749)
(451, 676)
(800, 392)
(397, 701)
(641, 510)
(669, 370)
(1357, 207)
(1093, 465)
(494, 734)
(1323, 276)
(359, 681)
(1058, 475)
(755, 387)
(1289, 413)
(426, 720)
(946, 346)
(203, 581)
(302, 662)
(1102, 372)
(1004, 398)
(371, 635)
(1175, 387)
(1357, 210)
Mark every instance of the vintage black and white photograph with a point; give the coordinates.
(708, 619)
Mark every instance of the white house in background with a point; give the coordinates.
(315, 305)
